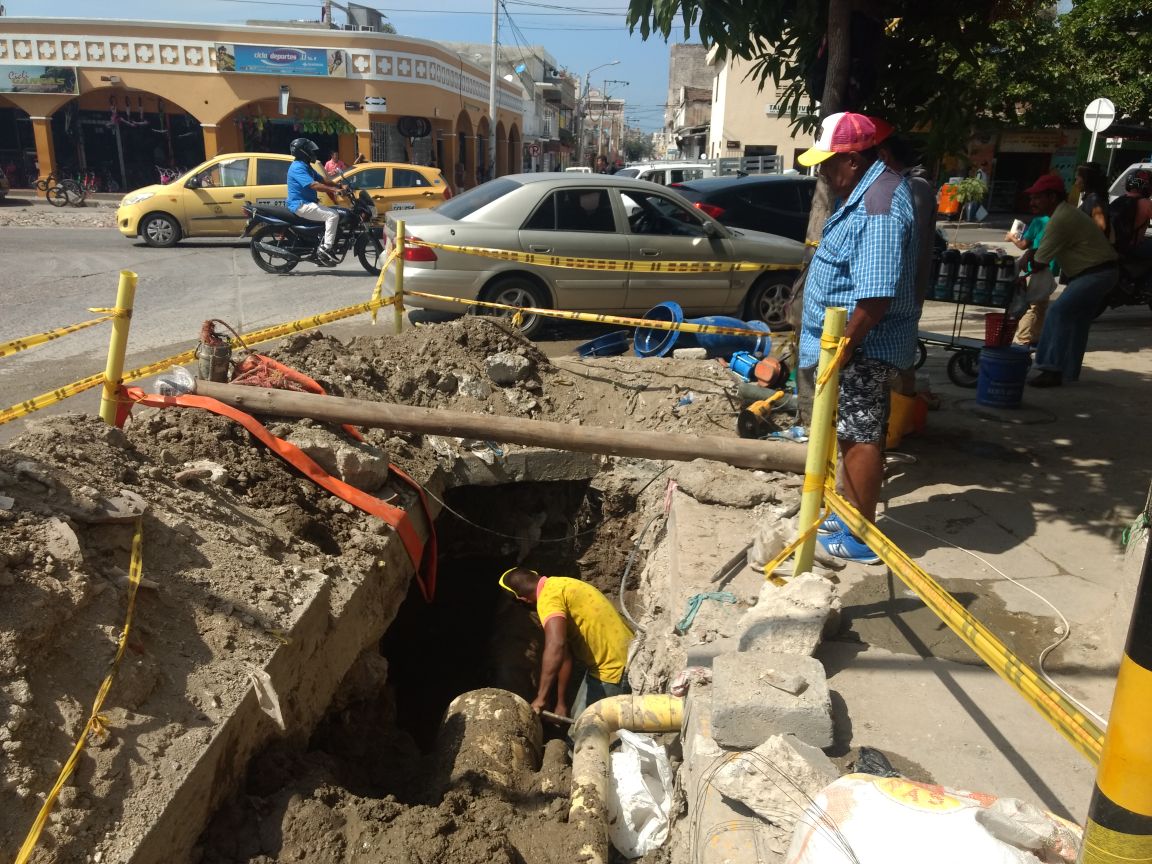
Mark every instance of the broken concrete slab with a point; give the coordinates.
(716, 483)
(357, 464)
(748, 708)
(776, 779)
(524, 465)
(61, 542)
(790, 619)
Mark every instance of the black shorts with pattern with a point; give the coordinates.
(864, 400)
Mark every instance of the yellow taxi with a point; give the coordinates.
(208, 201)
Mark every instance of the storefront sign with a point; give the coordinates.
(268, 60)
(38, 79)
(1031, 141)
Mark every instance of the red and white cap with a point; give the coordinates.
(840, 133)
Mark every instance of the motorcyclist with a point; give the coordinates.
(303, 184)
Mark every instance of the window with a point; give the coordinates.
(272, 172)
(679, 175)
(777, 197)
(586, 209)
(406, 178)
(467, 203)
(369, 178)
(233, 172)
(656, 215)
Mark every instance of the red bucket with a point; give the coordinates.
(999, 329)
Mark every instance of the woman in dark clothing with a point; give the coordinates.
(1093, 187)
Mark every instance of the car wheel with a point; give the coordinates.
(160, 230)
(517, 291)
(770, 298)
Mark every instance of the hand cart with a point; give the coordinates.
(980, 279)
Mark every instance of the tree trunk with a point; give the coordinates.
(835, 85)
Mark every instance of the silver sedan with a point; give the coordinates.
(591, 216)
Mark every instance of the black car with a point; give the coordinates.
(773, 203)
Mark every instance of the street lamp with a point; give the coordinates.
(583, 103)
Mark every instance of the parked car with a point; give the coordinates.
(1117, 187)
(590, 216)
(667, 173)
(772, 203)
(208, 200)
(579, 169)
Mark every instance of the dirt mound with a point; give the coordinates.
(235, 544)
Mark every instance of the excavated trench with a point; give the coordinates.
(383, 778)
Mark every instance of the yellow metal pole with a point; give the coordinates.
(398, 308)
(117, 347)
(821, 435)
(1119, 826)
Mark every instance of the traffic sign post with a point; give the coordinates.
(1098, 116)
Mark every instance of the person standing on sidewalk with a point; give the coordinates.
(1032, 321)
(866, 262)
(1088, 261)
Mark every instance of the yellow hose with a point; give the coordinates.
(591, 736)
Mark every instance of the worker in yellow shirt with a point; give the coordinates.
(578, 622)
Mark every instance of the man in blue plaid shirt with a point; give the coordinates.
(866, 263)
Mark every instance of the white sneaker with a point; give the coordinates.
(325, 258)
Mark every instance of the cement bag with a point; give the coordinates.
(639, 795)
(891, 820)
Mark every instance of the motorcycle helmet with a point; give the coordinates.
(1140, 182)
(304, 149)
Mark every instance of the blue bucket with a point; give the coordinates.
(1002, 373)
(610, 345)
(650, 342)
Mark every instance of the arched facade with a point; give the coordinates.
(358, 97)
(464, 163)
(515, 150)
(501, 150)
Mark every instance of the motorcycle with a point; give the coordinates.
(281, 239)
(1133, 288)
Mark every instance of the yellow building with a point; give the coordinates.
(122, 102)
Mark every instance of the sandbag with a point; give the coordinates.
(892, 820)
(639, 795)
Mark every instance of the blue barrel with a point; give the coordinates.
(1000, 383)
(649, 342)
(606, 346)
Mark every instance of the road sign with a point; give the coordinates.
(534, 149)
(1099, 115)
(376, 101)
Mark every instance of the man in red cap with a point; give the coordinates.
(866, 262)
(1088, 263)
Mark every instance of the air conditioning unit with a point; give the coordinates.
(368, 27)
(350, 27)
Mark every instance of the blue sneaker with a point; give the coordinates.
(831, 525)
(847, 547)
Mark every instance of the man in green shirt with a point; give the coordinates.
(1088, 262)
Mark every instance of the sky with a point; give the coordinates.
(580, 37)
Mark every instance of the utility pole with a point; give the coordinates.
(492, 90)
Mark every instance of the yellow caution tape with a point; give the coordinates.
(97, 724)
(787, 551)
(683, 327)
(1057, 709)
(841, 346)
(28, 406)
(17, 345)
(574, 263)
(111, 312)
(392, 256)
(276, 331)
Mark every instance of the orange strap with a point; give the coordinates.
(423, 555)
(310, 384)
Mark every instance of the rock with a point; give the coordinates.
(747, 710)
(61, 543)
(789, 619)
(777, 794)
(7, 503)
(474, 388)
(716, 483)
(125, 507)
(505, 368)
(521, 401)
(689, 353)
(357, 464)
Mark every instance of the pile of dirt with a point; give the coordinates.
(235, 542)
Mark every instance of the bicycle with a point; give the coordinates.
(59, 192)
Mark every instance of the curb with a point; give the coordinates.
(27, 198)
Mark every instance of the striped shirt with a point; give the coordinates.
(867, 250)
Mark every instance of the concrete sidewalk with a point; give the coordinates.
(32, 198)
